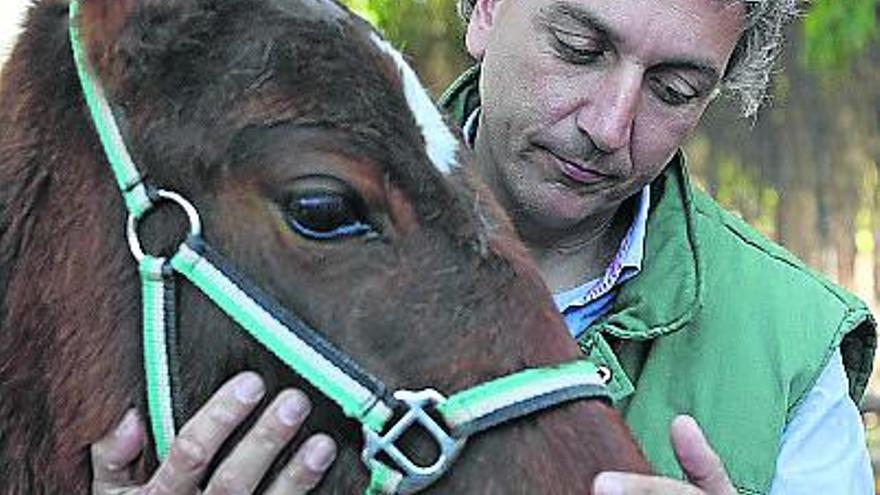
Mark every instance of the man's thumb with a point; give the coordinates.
(700, 463)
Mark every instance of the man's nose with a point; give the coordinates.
(607, 116)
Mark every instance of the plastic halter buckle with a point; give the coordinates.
(415, 477)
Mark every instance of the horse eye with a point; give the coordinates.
(328, 215)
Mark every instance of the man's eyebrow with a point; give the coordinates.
(581, 15)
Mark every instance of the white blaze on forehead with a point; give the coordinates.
(441, 145)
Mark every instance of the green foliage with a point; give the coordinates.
(837, 31)
(741, 191)
(386, 15)
(366, 9)
(866, 216)
(429, 32)
(409, 22)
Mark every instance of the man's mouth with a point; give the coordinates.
(576, 170)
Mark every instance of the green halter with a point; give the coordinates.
(361, 396)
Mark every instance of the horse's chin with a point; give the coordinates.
(558, 451)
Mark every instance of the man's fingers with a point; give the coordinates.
(203, 435)
(113, 454)
(614, 483)
(307, 467)
(242, 471)
(698, 460)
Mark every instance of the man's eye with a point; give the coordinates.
(327, 215)
(673, 91)
(578, 49)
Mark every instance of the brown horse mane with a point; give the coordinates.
(35, 365)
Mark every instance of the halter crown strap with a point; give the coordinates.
(126, 173)
(359, 394)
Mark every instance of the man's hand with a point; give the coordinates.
(201, 438)
(700, 463)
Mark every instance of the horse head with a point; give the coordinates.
(320, 170)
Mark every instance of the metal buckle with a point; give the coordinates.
(195, 224)
(415, 477)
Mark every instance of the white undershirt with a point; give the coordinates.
(823, 447)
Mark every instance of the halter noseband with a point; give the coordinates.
(334, 373)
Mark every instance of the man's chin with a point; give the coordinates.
(550, 221)
(563, 213)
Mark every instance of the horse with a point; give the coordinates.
(320, 169)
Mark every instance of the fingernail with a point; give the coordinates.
(128, 423)
(249, 388)
(293, 409)
(320, 454)
(607, 484)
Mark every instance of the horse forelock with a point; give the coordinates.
(441, 145)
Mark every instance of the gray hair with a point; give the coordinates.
(748, 74)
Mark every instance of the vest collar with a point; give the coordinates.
(667, 294)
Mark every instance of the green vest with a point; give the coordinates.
(721, 324)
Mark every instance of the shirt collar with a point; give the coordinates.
(626, 264)
(469, 129)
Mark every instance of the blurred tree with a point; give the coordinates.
(837, 31)
(429, 32)
(814, 144)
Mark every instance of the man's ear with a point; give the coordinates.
(480, 26)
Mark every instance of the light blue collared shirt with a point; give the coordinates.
(823, 447)
(583, 305)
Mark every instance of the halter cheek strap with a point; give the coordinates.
(361, 396)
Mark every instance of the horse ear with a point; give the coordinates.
(100, 21)
(113, 33)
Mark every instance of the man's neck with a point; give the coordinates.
(568, 261)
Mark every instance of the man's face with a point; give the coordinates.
(585, 101)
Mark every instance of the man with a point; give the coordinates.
(577, 112)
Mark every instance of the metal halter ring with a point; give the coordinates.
(195, 223)
(415, 477)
